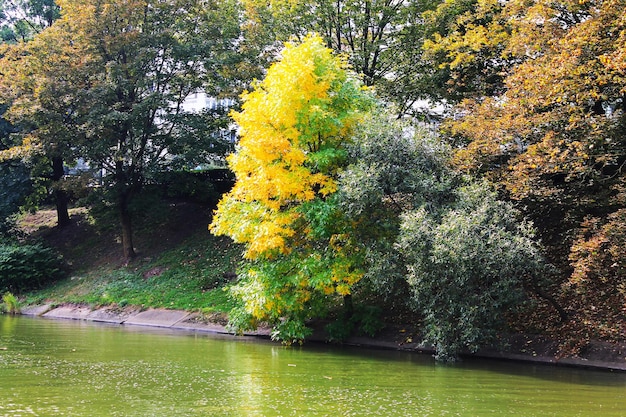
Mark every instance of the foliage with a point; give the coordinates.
(14, 186)
(394, 166)
(107, 80)
(466, 44)
(193, 186)
(549, 130)
(14, 179)
(448, 248)
(11, 305)
(365, 319)
(45, 112)
(597, 286)
(21, 19)
(381, 39)
(466, 264)
(563, 112)
(28, 266)
(294, 129)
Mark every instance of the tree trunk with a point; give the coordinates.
(61, 198)
(127, 229)
(348, 306)
(563, 315)
(61, 201)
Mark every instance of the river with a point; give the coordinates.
(74, 368)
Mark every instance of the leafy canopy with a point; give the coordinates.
(381, 38)
(545, 119)
(107, 82)
(294, 126)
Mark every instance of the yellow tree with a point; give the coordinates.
(466, 45)
(294, 128)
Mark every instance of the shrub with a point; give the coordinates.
(467, 265)
(11, 304)
(193, 186)
(15, 185)
(24, 267)
(364, 320)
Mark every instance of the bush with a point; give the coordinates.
(24, 267)
(447, 248)
(193, 186)
(364, 320)
(15, 185)
(467, 266)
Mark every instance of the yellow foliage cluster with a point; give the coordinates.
(549, 119)
(469, 36)
(295, 111)
(294, 126)
(39, 78)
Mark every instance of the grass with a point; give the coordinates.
(186, 267)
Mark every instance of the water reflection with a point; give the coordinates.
(81, 369)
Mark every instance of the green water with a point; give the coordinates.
(67, 368)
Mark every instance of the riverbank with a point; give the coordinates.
(520, 348)
(181, 267)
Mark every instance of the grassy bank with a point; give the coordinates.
(180, 265)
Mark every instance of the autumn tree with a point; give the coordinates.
(466, 46)
(295, 126)
(40, 81)
(19, 22)
(552, 133)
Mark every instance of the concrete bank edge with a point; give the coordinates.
(183, 320)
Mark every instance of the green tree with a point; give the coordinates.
(381, 38)
(295, 126)
(434, 241)
(393, 166)
(467, 263)
(116, 75)
(20, 20)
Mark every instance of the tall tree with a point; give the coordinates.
(19, 22)
(131, 67)
(295, 126)
(381, 38)
(37, 80)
